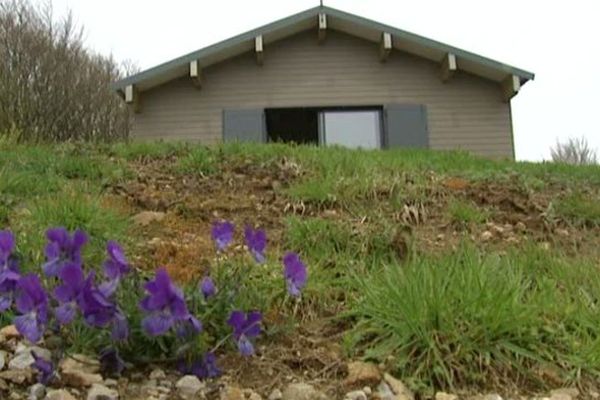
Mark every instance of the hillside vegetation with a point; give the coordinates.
(456, 272)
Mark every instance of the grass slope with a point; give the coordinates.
(456, 271)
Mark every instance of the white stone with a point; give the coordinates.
(399, 388)
(356, 395)
(301, 391)
(158, 374)
(445, 396)
(101, 392)
(275, 395)
(3, 355)
(37, 391)
(24, 359)
(59, 395)
(189, 386)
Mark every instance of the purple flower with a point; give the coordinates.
(9, 270)
(32, 304)
(166, 307)
(256, 240)
(62, 249)
(295, 273)
(204, 368)
(44, 368)
(245, 327)
(116, 265)
(67, 294)
(222, 234)
(207, 287)
(110, 362)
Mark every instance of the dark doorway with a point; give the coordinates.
(298, 125)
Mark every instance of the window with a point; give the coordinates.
(351, 128)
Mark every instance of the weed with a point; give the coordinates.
(201, 160)
(579, 209)
(464, 213)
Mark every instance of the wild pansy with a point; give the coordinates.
(68, 292)
(111, 362)
(256, 240)
(245, 327)
(166, 307)
(100, 311)
(44, 368)
(62, 248)
(222, 234)
(32, 303)
(207, 287)
(204, 368)
(9, 271)
(115, 267)
(295, 273)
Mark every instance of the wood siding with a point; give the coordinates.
(465, 113)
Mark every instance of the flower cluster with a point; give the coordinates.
(66, 292)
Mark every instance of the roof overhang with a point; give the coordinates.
(336, 20)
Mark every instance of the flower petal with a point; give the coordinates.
(157, 324)
(28, 326)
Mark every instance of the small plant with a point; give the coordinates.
(579, 210)
(67, 299)
(463, 213)
(575, 152)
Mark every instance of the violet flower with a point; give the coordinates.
(115, 267)
(222, 234)
(44, 368)
(32, 304)
(245, 327)
(204, 368)
(62, 249)
(165, 304)
(67, 294)
(111, 362)
(256, 240)
(295, 273)
(9, 270)
(207, 287)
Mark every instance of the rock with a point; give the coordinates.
(486, 236)
(492, 396)
(15, 396)
(571, 392)
(147, 217)
(3, 385)
(59, 395)
(101, 392)
(3, 355)
(562, 232)
(23, 357)
(80, 371)
(302, 391)
(158, 374)
(356, 395)
(275, 395)
(232, 393)
(250, 395)
(399, 389)
(520, 227)
(384, 392)
(110, 383)
(189, 386)
(37, 391)
(367, 390)
(361, 374)
(445, 396)
(17, 376)
(10, 332)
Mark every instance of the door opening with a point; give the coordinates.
(297, 125)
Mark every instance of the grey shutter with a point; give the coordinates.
(244, 126)
(406, 126)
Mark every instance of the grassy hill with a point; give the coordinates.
(452, 270)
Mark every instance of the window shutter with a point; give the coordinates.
(244, 125)
(406, 126)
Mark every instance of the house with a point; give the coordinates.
(328, 77)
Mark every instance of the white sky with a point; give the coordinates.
(557, 40)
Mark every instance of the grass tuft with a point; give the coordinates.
(579, 209)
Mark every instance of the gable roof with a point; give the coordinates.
(336, 20)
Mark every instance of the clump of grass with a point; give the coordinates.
(579, 209)
(200, 160)
(469, 318)
(136, 151)
(465, 213)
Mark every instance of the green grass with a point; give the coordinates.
(199, 161)
(464, 213)
(467, 318)
(579, 209)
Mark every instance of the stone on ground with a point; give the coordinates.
(302, 391)
(147, 217)
(445, 396)
(80, 371)
(356, 395)
(276, 395)
(59, 395)
(361, 374)
(101, 392)
(189, 386)
(37, 392)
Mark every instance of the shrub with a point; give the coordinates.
(575, 152)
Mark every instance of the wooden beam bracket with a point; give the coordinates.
(510, 87)
(196, 73)
(449, 67)
(258, 47)
(385, 47)
(322, 27)
(132, 98)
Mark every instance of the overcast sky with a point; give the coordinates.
(557, 40)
